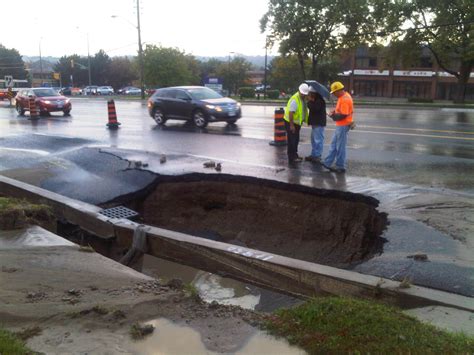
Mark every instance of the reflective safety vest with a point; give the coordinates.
(301, 114)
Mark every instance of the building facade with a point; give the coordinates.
(363, 76)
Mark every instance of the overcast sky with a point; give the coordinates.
(199, 27)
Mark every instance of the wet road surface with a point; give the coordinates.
(429, 147)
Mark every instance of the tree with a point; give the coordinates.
(12, 64)
(121, 72)
(281, 73)
(445, 27)
(100, 63)
(209, 68)
(234, 73)
(168, 67)
(73, 70)
(317, 29)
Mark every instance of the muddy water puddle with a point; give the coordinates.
(170, 338)
(213, 287)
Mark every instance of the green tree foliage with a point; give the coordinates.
(121, 72)
(169, 67)
(445, 27)
(11, 63)
(234, 73)
(100, 64)
(317, 29)
(73, 67)
(209, 68)
(282, 73)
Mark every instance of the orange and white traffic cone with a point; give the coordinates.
(113, 123)
(279, 135)
(34, 114)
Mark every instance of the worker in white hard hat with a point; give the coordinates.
(296, 112)
(343, 116)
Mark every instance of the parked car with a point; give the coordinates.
(261, 88)
(197, 103)
(47, 100)
(90, 90)
(105, 90)
(150, 91)
(130, 90)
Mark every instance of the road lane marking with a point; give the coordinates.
(417, 129)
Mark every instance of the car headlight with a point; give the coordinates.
(238, 104)
(211, 107)
(66, 101)
(46, 101)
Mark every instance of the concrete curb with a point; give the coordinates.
(261, 268)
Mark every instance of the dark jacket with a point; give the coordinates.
(317, 112)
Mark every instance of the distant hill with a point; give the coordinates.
(257, 61)
(31, 59)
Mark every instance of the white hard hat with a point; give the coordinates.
(304, 89)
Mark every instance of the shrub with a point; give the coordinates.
(420, 100)
(273, 94)
(247, 93)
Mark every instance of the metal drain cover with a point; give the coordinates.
(119, 212)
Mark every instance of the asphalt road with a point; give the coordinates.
(418, 163)
(428, 147)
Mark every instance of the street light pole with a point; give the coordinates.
(228, 71)
(88, 56)
(140, 52)
(140, 49)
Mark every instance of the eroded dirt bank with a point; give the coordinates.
(328, 227)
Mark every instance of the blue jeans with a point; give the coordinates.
(337, 151)
(317, 141)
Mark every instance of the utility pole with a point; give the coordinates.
(265, 71)
(41, 64)
(140, 52)
(89, 60)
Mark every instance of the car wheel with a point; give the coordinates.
(66, 112)
(159, 116)
(231, 121)
(199, 119)
(20, 110)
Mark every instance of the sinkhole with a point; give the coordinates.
(323, 226)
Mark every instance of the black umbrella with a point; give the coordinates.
(319, 88)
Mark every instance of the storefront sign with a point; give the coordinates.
(413, 73)
(370, 72)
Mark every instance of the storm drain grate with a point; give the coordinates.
(119, 212)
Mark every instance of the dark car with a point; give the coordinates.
(197, 103)
(47, 100)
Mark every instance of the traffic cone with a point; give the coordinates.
(113, 123)
(10, 95)
(34, 114)
(279, 131)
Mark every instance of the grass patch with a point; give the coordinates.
(340, 325)
(138, 331)
(11, 344)
(192, 291)
(28, 333)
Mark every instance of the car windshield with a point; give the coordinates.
(203, 94)
(45, 92)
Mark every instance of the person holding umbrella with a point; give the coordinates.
(317, 121)
(342, 115)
